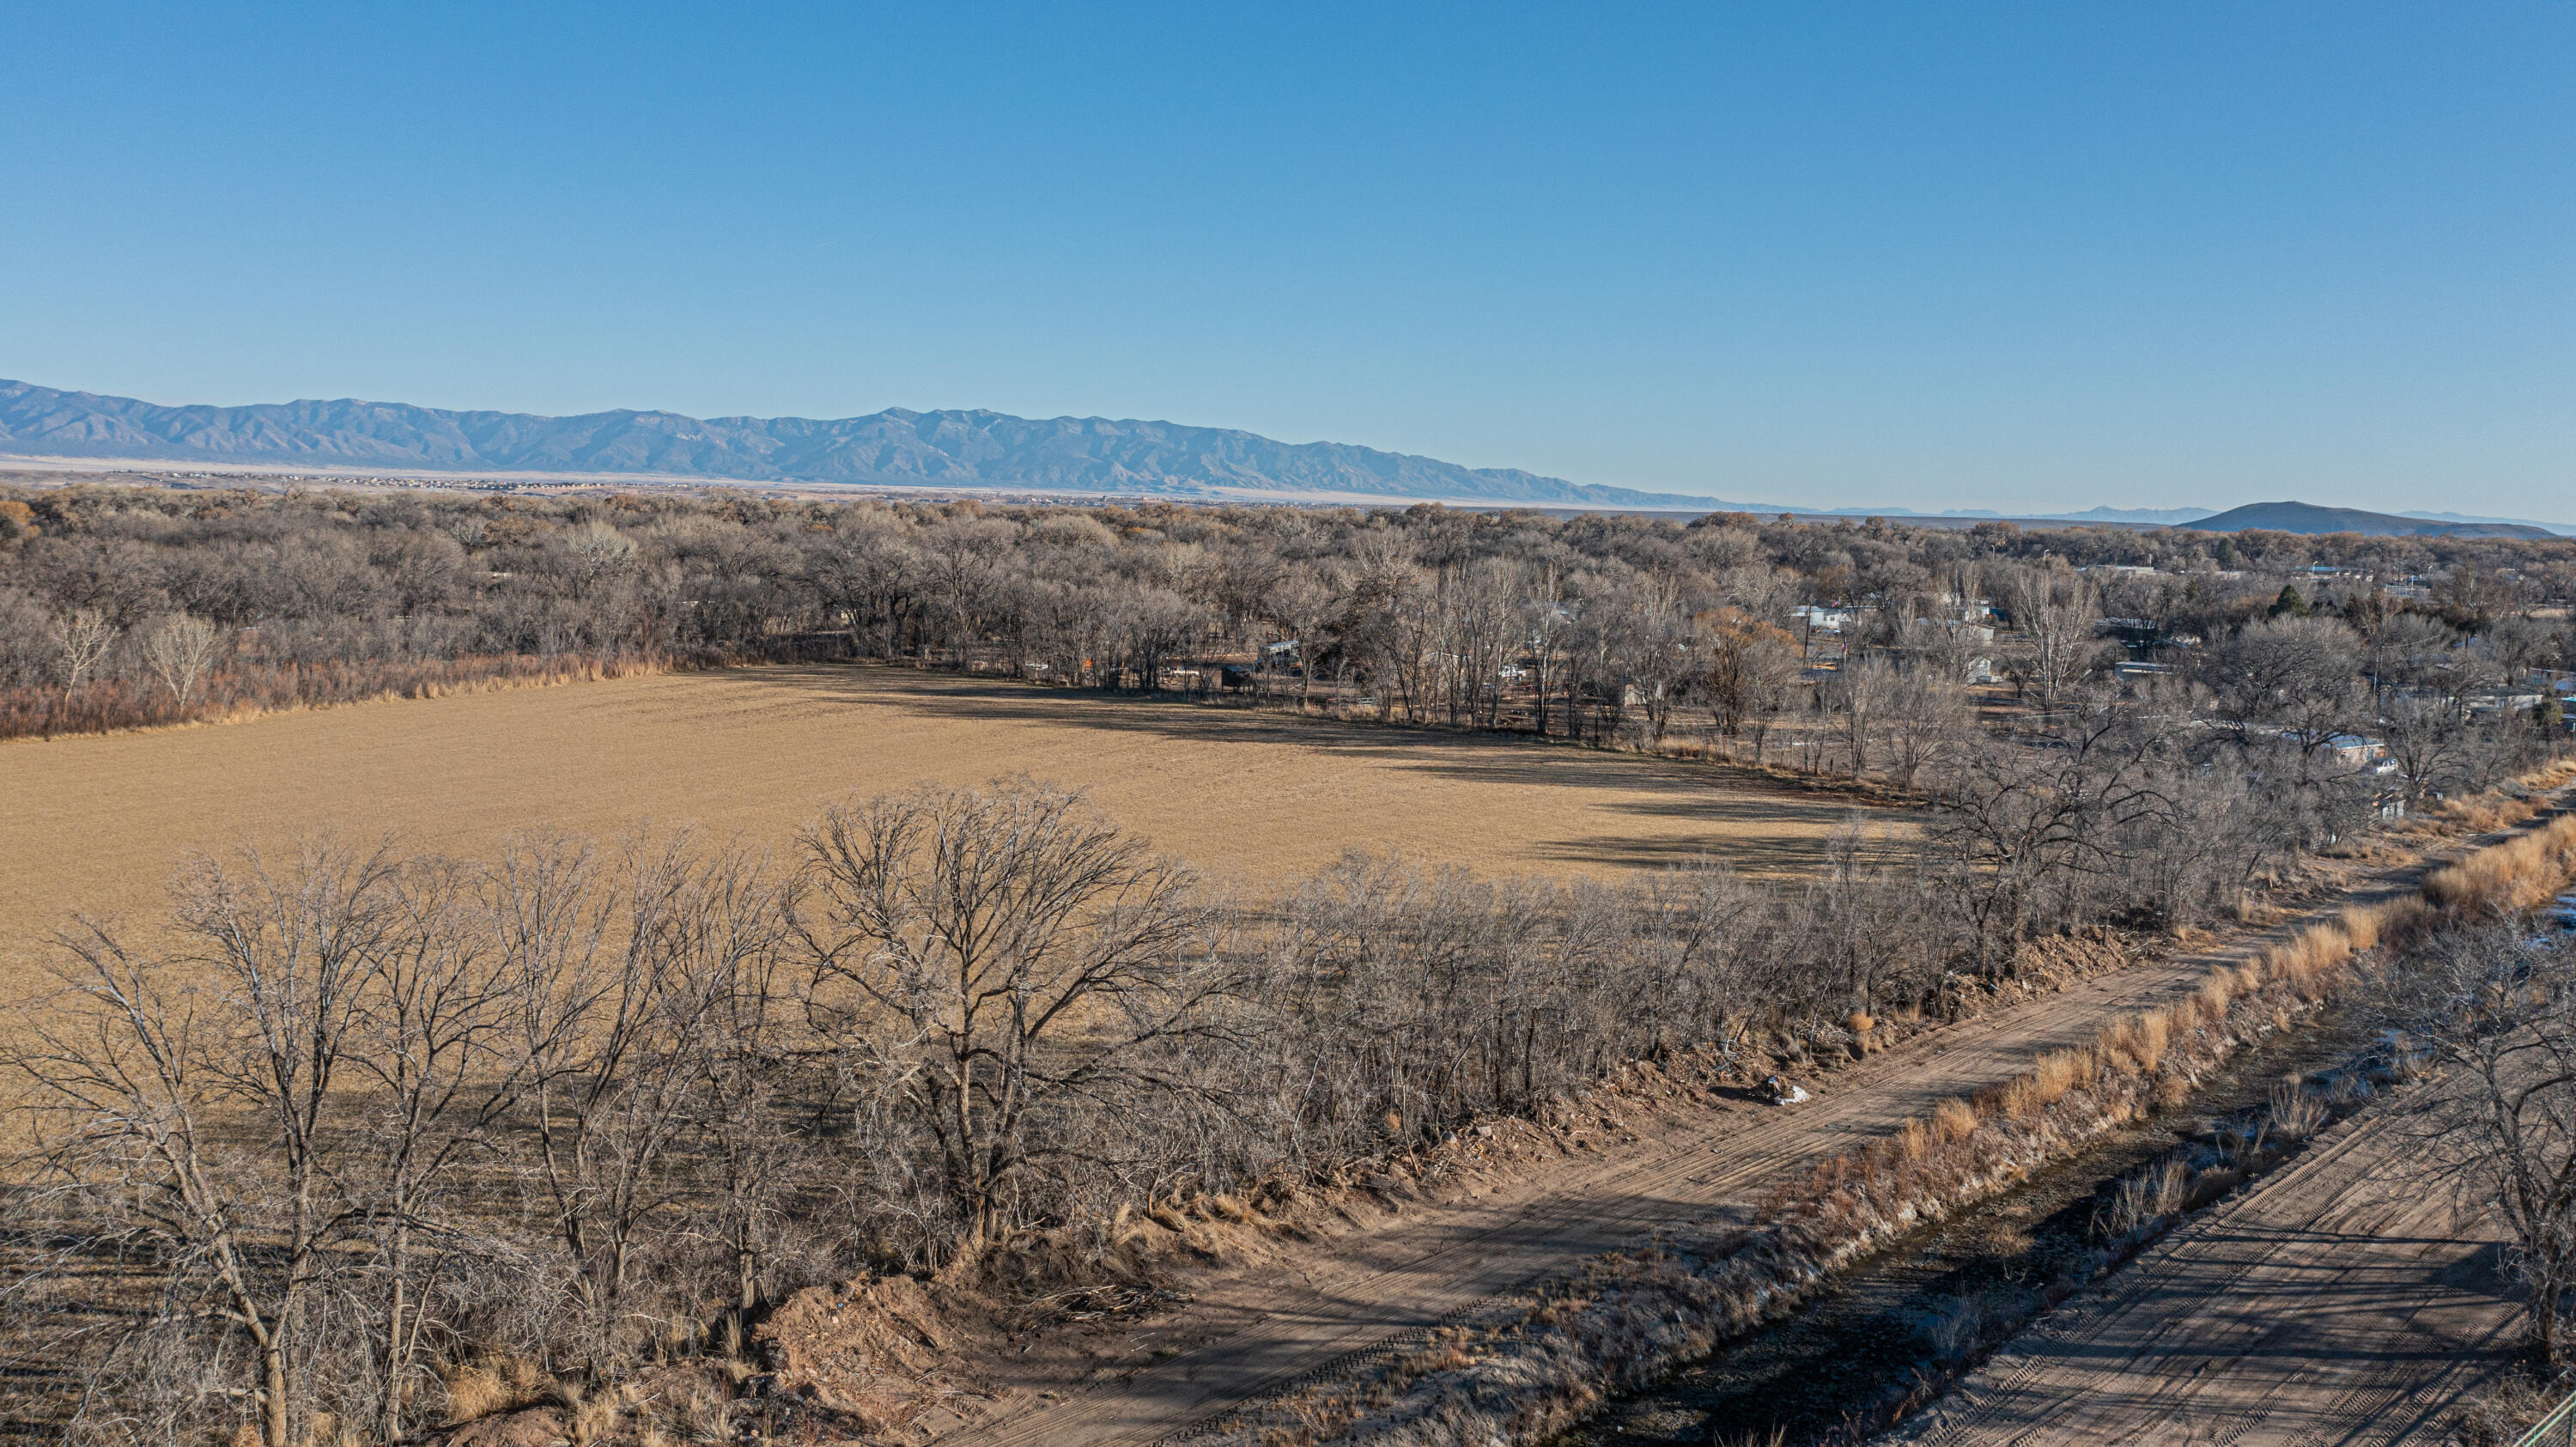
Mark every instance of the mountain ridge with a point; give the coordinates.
(898, 447)
(951, 448)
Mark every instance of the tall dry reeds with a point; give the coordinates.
(2499, 808)
(2519, 874)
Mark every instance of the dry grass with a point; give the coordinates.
(2296, 1114)
(98, 822)
(502, 1385)
(2497, 808)
(2149, 1195)
(2517, 875)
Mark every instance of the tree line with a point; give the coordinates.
(125, 606)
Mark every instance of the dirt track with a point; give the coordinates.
(2335, 1302)
(1250, 1332)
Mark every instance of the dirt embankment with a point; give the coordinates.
(1335, 1316)
(2338, 1302)
(1898, 1326)
(2344, 1300)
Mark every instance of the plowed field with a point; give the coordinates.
(97, 824)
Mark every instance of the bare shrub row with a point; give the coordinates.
(248, 693)
(374, 1136)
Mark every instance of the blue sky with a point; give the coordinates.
(2019, 256)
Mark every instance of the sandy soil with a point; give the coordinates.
(2337, 1302)
(1287, 1318)
(99, 823)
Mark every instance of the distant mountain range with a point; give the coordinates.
(2304, 517)
(2136, 514)
(896, 447)
(2561, 529)
(2089, 515)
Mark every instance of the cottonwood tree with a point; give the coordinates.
(2027, 831)
(1927, 722)
(432, 1080)
(82, 638)
(1754, 668)
(1662, 659)
(1479, 622)
(2056, 613)
(1545, 624)
(187, 1105)
(1003, 953)
(179, 650)
(1865, 927)
(1298, 606)
(2295, 676)
(2419, 652)
(1155, 624)
(2428, 741)
(623, 990)
(1388, 622)
(758, 1146)
(1856, 697)
(869, 572)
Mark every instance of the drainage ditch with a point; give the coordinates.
(1896, 1328)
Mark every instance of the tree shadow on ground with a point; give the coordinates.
(1750, 820)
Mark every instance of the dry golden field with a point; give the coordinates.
(98, 824)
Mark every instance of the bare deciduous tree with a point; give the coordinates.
(1297, 606)
(2026, 830)
(2056, 613)
(435, 1080)
(2502, 1016)
(1857, 697)
(1008, 949)
(82, 638)
(194, 1119)
(179, 650)
(1928, 722)
(618, 1008)
(1754, 666)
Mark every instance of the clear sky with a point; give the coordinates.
(2018, 256)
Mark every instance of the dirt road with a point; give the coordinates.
(1251, 1332)
(2336, 1302)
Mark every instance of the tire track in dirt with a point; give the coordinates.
(1251, 1334)
(2335, 1302)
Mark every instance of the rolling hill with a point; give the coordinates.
(2305, 517)
(915, 449)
